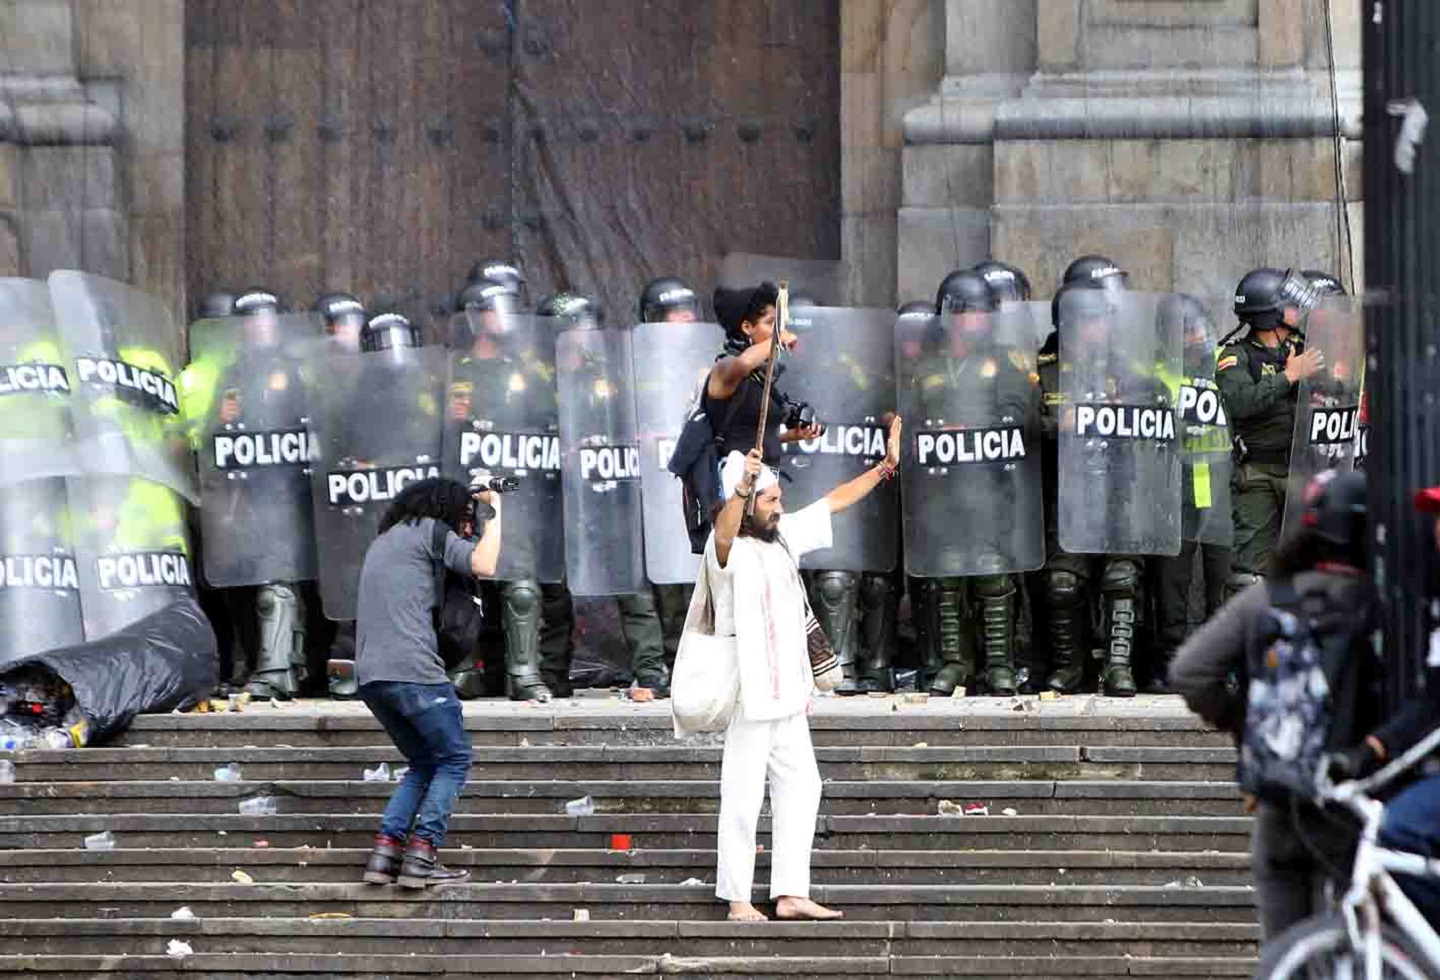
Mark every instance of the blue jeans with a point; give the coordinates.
(425, 723)
(1412, 823)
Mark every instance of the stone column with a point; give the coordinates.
(1189, 141)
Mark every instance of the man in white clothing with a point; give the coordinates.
(758, 597)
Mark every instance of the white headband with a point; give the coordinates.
(733, 471)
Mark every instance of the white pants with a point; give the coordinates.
(782, 750)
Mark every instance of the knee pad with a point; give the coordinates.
(521, 598)
(1121, 577)
(1063, 588)
(994, 587)
(875, 590)
(833, 586)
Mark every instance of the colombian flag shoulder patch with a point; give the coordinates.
(1227, 362)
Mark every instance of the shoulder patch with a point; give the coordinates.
(1227, 362)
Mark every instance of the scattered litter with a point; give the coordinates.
(103, 841)
(581, 915)
(7, 771)
(262, 842)
(877, 694)
(330, 916)
(178, 949)
(921, 745)
(949, 808)
(583, 807)
(524, 743)
(228, 774)
(380, 774)
(916, 697)
(642, 694)
(1062, 871)
(183, 914)
(1010, 811)
(1049, 695)
(631, 878)
(1194, 882)
(620, 842)
(976, 810)
(174, 779)
(959, 692)
(38, 710)
(258, 806)
(223, 833)
(1171, 884)
(241, 878)
(400, 773)
(692, 881)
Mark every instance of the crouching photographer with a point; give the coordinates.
(401, 673)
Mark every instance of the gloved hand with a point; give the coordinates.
(1351, 764)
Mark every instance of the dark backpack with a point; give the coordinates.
(459, 616)
(1305, 661)
(696, 461)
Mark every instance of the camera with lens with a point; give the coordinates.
(799, 415)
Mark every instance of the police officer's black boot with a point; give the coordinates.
(1065, 605)
(832, 598)
(1122, 617)
(520, 616)
(996, 598)
(877, 629)
(957, 664)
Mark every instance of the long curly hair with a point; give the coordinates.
(438, 497)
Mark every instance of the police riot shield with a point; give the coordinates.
(844, 369)
(36, 421)
(39, 579)
(1119, 459)
(123, 348)
(672, 361)
(1204, 432)
(970, 398)
(501, 417)
(1327, 414)
(375, 421)
(132, 547)
(600, 462)
(244, 399)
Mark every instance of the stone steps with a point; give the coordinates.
(1009, 903)
(148, 937)
(274, 865)
(647, 831)
(646, 763)
(224, 966)
(842, 797)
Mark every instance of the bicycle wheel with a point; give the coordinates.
(1319, 949)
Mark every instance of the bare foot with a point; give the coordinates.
(745, 912)
(790, 907)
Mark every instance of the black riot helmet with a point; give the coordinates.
(217, 304)
(1263, 295)
(1184, 314)
(1078, 301)
(482, 307)
(964, 291)
(915, 310)
(484, 294)
(1325, 283)
(799, 306)
(335, 308)
(1336, 512)
(389, 332)
(260, 311)
(573, 310)
(505, 273)
(1008, 283)
(1096, 270)
(668, 298)
(257, 302)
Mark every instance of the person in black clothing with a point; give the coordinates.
(735, 390)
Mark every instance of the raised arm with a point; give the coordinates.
(849, 494)
(727, 522)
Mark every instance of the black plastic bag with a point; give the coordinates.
(162, 662)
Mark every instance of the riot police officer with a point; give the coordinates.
(1083, 307)
(344, 316)
(1258, 376)
(969, 380)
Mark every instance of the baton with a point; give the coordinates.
(782, 314)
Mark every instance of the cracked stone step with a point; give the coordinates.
(148, 937)
(647, 831)
(957, 763)
(841, 797)
(221, 966)
(1134, 903)
(340, 866)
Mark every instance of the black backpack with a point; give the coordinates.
(1306, 661)
(696, 461)
(459, 616)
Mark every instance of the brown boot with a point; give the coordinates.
(384, 862)
(421, 867)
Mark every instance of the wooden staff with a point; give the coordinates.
(782, 316)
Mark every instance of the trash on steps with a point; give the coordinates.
(103, 841)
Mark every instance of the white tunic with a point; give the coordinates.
(759, 599)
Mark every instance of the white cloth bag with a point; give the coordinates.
(705, 684)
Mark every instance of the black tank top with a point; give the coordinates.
(743, 411)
